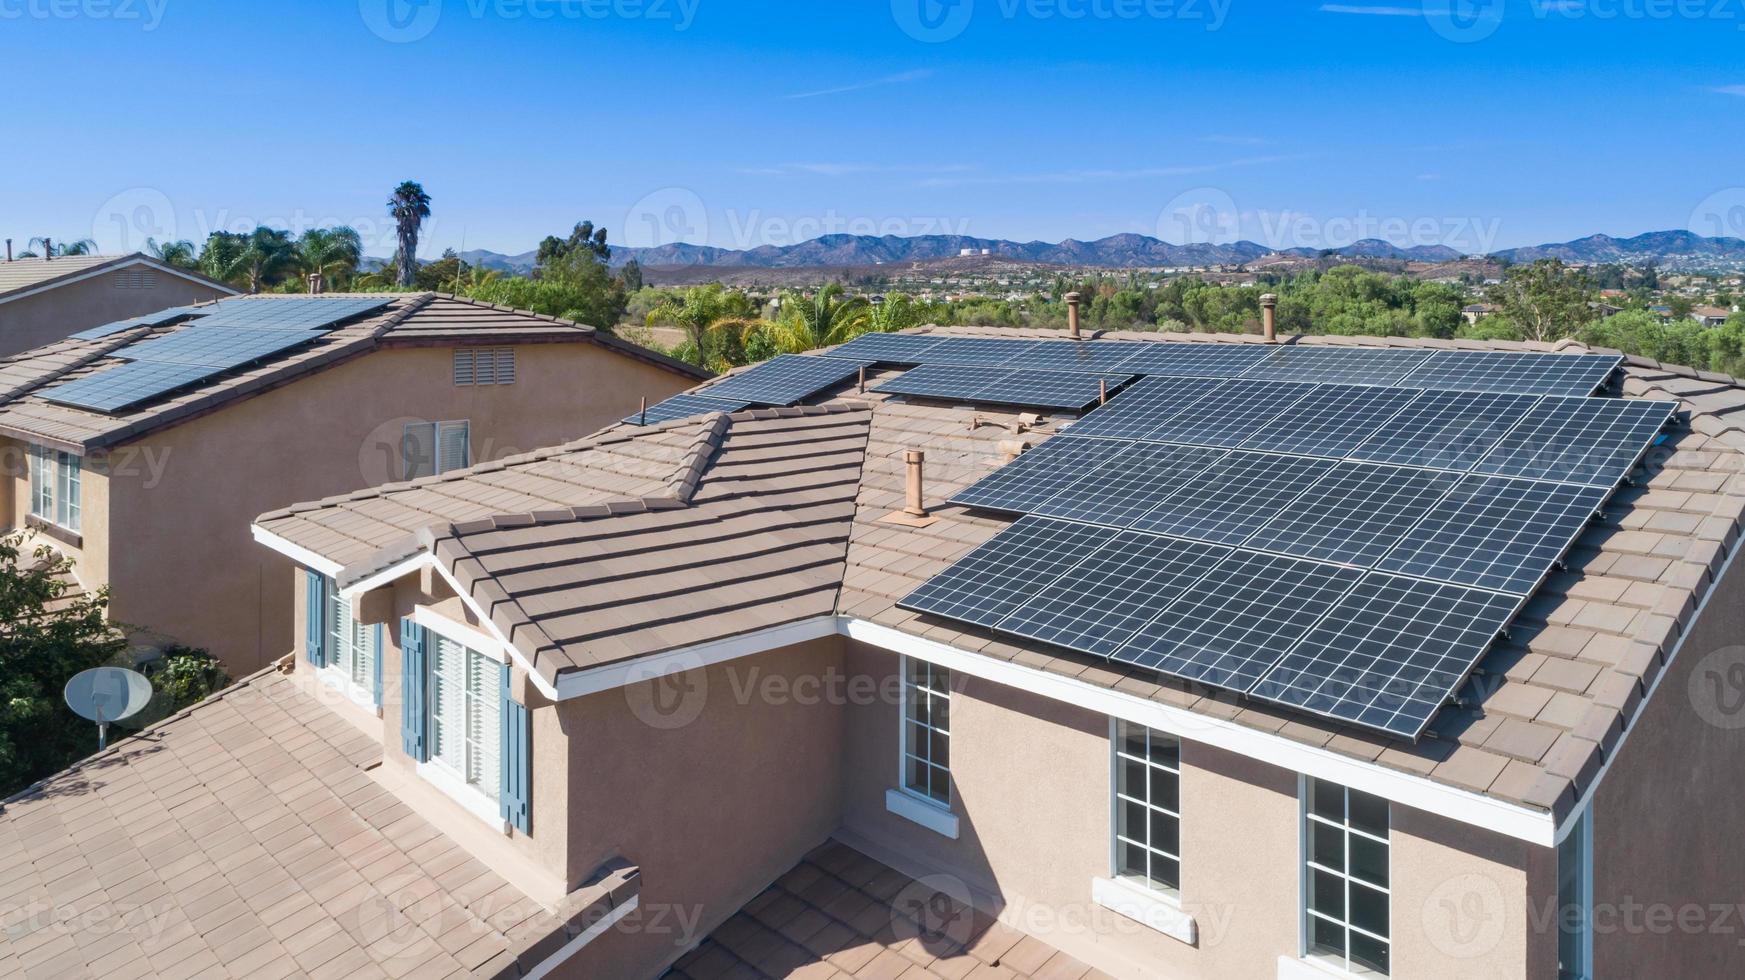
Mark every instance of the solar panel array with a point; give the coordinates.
(157, 319)
(1347, 547)
(783, 380)
(231, 334)
(1006, 386)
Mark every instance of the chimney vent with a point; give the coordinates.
(1072, 315)
(314, 283)
(48, 250)
(8, 249)
(915, 460)
(1269, 317)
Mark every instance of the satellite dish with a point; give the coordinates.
(106, 694)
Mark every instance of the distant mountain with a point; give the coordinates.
(1672, 249)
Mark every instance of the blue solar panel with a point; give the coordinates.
(1595, 441)
(1497, 533)
(1096, 357)
(1390, 653)
(1231, 498)
(991, 582)
(785, 379)
(1331, 420)
(1027, 482)
(216, 346)
(124, 386)
(1517, 373)
(1005, 386)
(1206, 360)
(1450, 430)
(683, 407)
(292, 313)
(157, 319)
(1355, 513)
(1130, 484)
(1336, 365)
(887, 348)
(1140, 411)
(986, 351)
(1230, 414)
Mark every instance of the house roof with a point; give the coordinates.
(1556, 696)
(20, 275)
(840, 914)
(409, 320)
(246, 837)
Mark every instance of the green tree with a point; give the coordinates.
(826, 317)
(584, 237)
(82, 246)
(898, 311)
(180, 253)
(332, 253)
(408, 206)
(48, 633)
(701, 310)
(267, 253)
(1546, 300)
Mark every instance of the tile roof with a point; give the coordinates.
(410, 319)
(840, 914)
(245, 837)
(1548, 705)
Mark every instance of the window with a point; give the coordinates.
(433, 448)
(484, 366)
(54, 487)
(352, 647)
(1345, 878)
(1575, 902)
(466, 704)
(1147, 808)
(927, 731)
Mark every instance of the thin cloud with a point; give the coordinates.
(897, 79)
(1093, 176)
(1738, 90)
(1351, 8)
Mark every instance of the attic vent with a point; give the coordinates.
(136, 279)
(484, 366)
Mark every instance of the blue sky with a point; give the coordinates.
(749, 122)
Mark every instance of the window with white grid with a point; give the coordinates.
(54, 487)
(1147, 807)
(352, 650)
(1345, 878)
(466, 704)
(927, 731)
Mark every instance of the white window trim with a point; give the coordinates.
(1156, 910)
(47, 472)
(1322, 963)
(903, 741)
(473, 799)
(922, 810)
(468, 796)
(341, 682)
(1115, 814)
(1309, 968)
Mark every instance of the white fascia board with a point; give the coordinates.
(296, 552)
(1532, 826)
(580, 683)
(393, 573)
(588, 935)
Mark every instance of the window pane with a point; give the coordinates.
(1165, 872)
(1369, 860)
(1133, 779)
(1131, 859)
(1327, 800)
(1369, 909)
(917, 740)
(1165, 832)
(939, 751)
(1133, 820)
(1166, 751)
(1326, 846)
(1369, 814)
(939, 784)
(1327, 894)
(1131, 738)
(1164, 789)
(1326, 937)
(1368, 953)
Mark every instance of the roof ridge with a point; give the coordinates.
(501, 308)
(504, 610)
(382, 329)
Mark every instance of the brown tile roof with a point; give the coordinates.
(21, 274)
(246, 838)
(840, 914)
(1551, 702)
(410, 319)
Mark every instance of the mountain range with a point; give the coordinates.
(1668, 249)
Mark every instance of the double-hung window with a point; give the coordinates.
(54, 487)
(433, 448)
(353, 649)
(1147, 808)
(927, 731)
(1345, 877)
(466, 705)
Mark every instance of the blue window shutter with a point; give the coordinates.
(314, 628)
(376, 662)
(413, 677)
(517, 766)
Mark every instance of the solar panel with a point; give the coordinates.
(1129, 484)
(1449, 430)
(1025, 483)
(1231, 413)
(216, 346)
(1355, 513)
(1390, 654)
(1206, 360)
(1228, 628)
(1232, 498)
(1331, 420)
(1496, 533)
(126, 385)
(954, 382)
(1142, 409)
(683, 407)
(1341, 365)
(986, 351)
(1098, 604)
(300, 312)
(992, 581)
(1095, 356)
(1517, 373)
(1579, 440)
(887, 348)
(1004, 386)
(785, 379)
(157, 319)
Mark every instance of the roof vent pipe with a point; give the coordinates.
(8, 249)
(1269, 317)
(314, 283)
(915, 460)
(1072, 315)
(48, 250)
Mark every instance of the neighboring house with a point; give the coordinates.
(1474, 312)
(153, 498)
(645, 702)
(45, 300)
(1710, 316)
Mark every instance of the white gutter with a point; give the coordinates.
(587, 936)
(296, 552)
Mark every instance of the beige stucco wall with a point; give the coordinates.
(89, 553)
(43, 318)
(184, 562)
(1669, 875)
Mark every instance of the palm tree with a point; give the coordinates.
(179, 253)
(898, 311)
(266, 252)
(820, 321)
(701, 309)
(332, 253)
(83, 246)
(409, 206)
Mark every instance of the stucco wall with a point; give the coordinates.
(90, 555)
(43, 318)
(1031, 788)
(1669, 875)
(183, 499)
